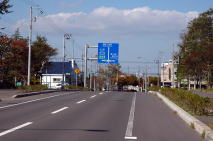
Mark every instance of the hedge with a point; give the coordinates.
(191, 102)
(33, 88)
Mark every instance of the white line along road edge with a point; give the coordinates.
(15, 128)
(129, 128)
(81, 101)
(31, 101)
(57, 111)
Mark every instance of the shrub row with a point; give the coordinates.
(154, 88)
(33, 88)
(71, 87)
(191, 102)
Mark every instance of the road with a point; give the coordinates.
(203, 94)
(92, 116)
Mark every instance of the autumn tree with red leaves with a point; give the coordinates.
(14, 59)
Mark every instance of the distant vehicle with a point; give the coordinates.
(58, 86)
(166, 86)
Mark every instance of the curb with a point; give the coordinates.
(34, 93)
(200, 127)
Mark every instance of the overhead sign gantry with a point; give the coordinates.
(108, 53)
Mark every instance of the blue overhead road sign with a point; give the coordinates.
(108, 53)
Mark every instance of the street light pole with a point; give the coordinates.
(66, 36)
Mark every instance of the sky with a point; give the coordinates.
(146, 30)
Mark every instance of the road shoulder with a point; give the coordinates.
(199, 126)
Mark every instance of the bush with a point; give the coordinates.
(191, 102)
(71, 87)
(154, 88)
(33, 88)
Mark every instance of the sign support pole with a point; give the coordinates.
(85, 66)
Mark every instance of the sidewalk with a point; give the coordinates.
(8, 93)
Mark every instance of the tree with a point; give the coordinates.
(41, 53)
(17, 35)
(194, 55)
(14, 58)
(132, 80)
(110, 74)
(4, 7)
(153, 80)
(14, 62)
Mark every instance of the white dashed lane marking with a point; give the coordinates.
(57, 111)
(93, 96)
(81, 101)
(15, 128)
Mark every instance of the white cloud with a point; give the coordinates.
(106, 20)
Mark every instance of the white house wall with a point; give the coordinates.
(49, 80)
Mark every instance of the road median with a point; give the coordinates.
(199, 126)
(35, 93)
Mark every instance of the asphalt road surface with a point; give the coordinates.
(92, 116)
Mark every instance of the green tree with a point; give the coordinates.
(4, 7)
(41, 53)
(194, 54)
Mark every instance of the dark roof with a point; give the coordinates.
(57, 68)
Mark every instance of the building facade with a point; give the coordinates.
(52, 76)
(168, 74)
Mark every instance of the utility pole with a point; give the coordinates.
(85, 66)
(163, 75)
(90, 82)
(158, 65)
(29, 45)
(94, 81)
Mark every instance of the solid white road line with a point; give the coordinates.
(81, 101)
(93, 96)
(57, 111)
(12, 105)
(100, 93)
(129, 128)
(15, 128)
(131, 138)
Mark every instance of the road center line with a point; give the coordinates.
(15, 128)
(81, 101)
(57, 111)
(129, 128)
(12, 105)
(93, 96)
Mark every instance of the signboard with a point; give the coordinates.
(18, 84)
(108, 53)
(77, 71)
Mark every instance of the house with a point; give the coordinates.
(168, 74)
(52, 76)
